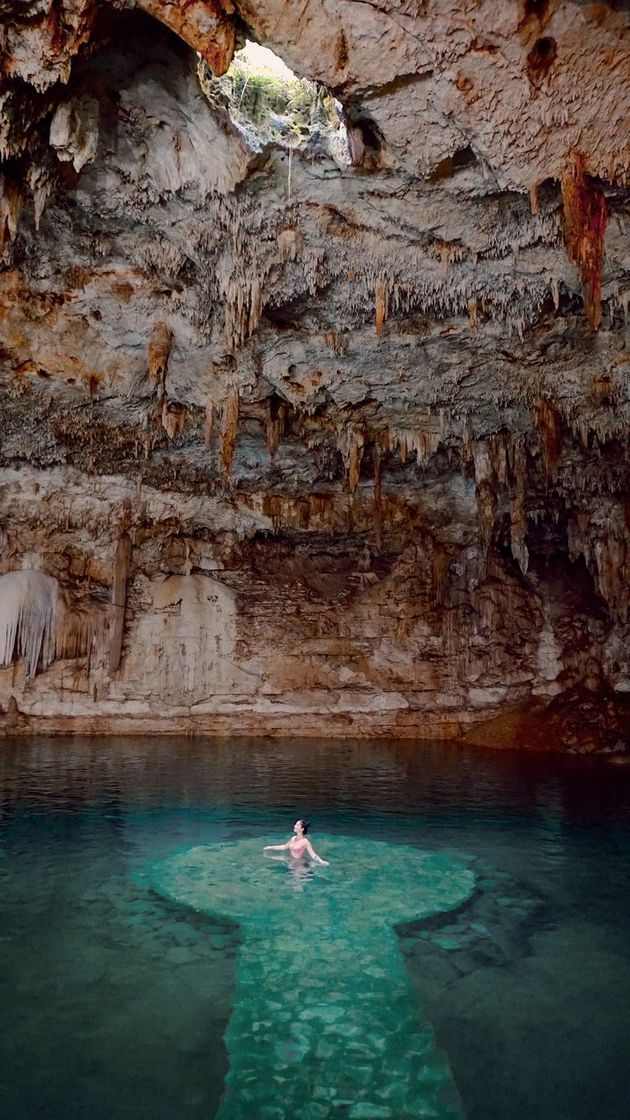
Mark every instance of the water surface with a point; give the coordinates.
(114, 1002)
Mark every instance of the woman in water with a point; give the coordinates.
(298, 845)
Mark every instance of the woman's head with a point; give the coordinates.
(301, 827)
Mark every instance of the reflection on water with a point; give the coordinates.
(114, 1003)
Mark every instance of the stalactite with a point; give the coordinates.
(208, 421)
(337, 342)
(547, 423)
(612, 558)
(173, 418)
(377, 501)
(499, 455)
(485, 491)
(518, 511)
(473, 309)
(275, 423)
(243, 309)
(604, 543)
(290, 244)
(440, 565)
(448, 254)
(625, 303)
(356, 455)
(74, 131)
(289, 512)
(10, 206)
(352, 445)
(533, 198)
(159, 352)
(272, 507)
(77, 631)
(40, 183)
(585, 216)
(229, 429)
(122, 563)
(598, 428)
(466, 443)
(410, 281)
(423, 444)
(382, 292)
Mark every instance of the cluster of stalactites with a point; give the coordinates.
(36, 623)
(601, 538)
(39, 624)
(411, 281)
(13, 196)
(499, 462)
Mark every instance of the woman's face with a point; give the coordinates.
(298, 828)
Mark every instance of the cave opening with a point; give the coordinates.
(270, 104)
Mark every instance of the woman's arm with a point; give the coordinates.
(313, 854)
(276, 847)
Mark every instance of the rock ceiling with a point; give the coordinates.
(354, 412)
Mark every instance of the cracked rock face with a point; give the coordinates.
(317, 433)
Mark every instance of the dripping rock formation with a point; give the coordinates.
(316, 421)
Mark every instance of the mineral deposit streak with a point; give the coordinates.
(324, 1021)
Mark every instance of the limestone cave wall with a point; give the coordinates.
(316, 435)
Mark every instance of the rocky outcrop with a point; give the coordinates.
(317, 433)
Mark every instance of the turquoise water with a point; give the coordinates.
(324, 1018)
(120, 997)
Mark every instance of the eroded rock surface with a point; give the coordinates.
(328, 436)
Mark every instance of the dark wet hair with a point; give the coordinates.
(305, 825)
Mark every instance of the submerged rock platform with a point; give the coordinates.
(324, 1021)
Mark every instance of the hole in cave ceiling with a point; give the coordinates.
(542, 55)
(271, 104)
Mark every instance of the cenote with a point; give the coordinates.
(120, 990)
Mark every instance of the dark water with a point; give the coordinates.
(113, 1003)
